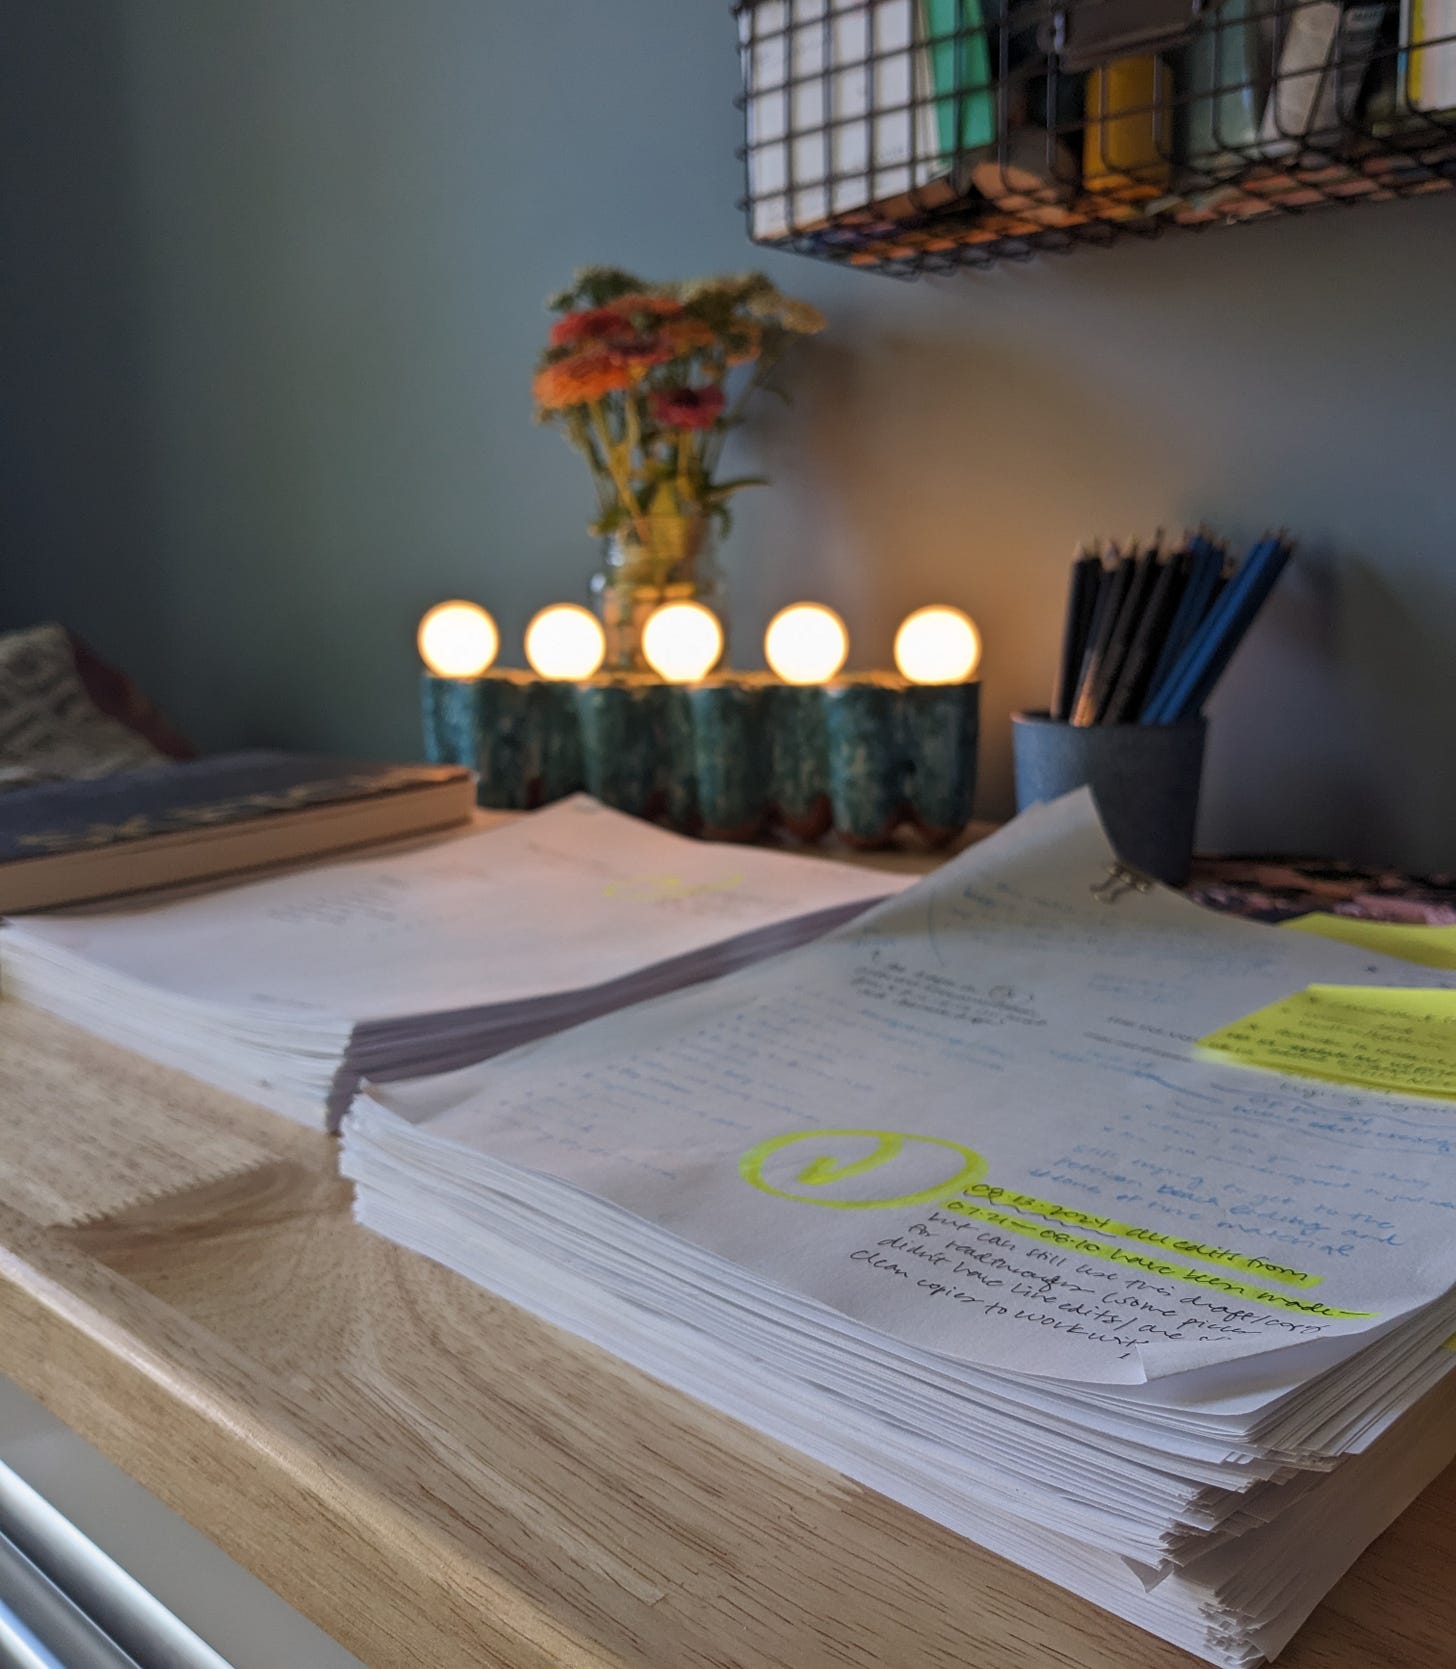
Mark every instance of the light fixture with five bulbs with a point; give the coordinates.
(806, 747)
(805, 644)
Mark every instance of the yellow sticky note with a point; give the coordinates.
(1403, 1041)
(1432, 947)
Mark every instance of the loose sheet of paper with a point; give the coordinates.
(975, 1120)
(1401, 1041)
(1432, 947)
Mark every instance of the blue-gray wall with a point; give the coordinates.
(273, 274)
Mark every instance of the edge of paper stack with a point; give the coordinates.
(287, 990)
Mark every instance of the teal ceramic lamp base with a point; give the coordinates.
(729, 758)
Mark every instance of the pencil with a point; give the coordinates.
(1189, 696)
(1081, 603)
(1110, 595)
(1210, 649)
(1129, 620)
(1162, 603)
(1199, 596)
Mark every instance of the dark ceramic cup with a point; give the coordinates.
(1144, 779)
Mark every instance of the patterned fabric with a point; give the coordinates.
(50, 729)
(1273, 889)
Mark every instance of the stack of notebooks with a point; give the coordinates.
(287, 990)
(951, 1201)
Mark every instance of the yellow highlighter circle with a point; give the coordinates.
(823, 1169)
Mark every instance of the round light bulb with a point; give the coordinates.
(937, 645)
(457, 640)
(806, 643)
(565, 641)
(682, 642)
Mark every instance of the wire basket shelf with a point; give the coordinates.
(912, 136)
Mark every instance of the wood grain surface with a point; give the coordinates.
(438, 1479)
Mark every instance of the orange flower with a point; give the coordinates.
(581, 377)
(643, 301)
(745, 343)
(687, 334)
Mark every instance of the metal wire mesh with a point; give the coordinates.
(915, 136)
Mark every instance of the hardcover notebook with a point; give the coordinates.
(64, 842)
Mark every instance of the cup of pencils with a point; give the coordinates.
(1147, 638)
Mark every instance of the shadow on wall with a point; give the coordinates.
(903, 463)
(1329, 716)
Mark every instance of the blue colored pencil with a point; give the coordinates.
(1206, 564)
(1202, 663)
(1192, 702)
(1202, 645)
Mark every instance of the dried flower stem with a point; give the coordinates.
(617, 466)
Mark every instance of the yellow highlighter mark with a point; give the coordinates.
(1142, 1261)
(1028, 1203)
(825, 1169)
(661, 889)
(962, 1166)
(826, 1164)
(1402, 1041)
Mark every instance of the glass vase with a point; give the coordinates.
(664, 559)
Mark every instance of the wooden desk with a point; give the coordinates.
(440, 1480)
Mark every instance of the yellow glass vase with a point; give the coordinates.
(663, 558)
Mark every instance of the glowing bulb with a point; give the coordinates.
(937, 645)
(806, 644)
(565, 641)
(457, 640)
(682, 642)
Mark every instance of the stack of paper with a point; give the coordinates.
(950, 1201)
(285, 991)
